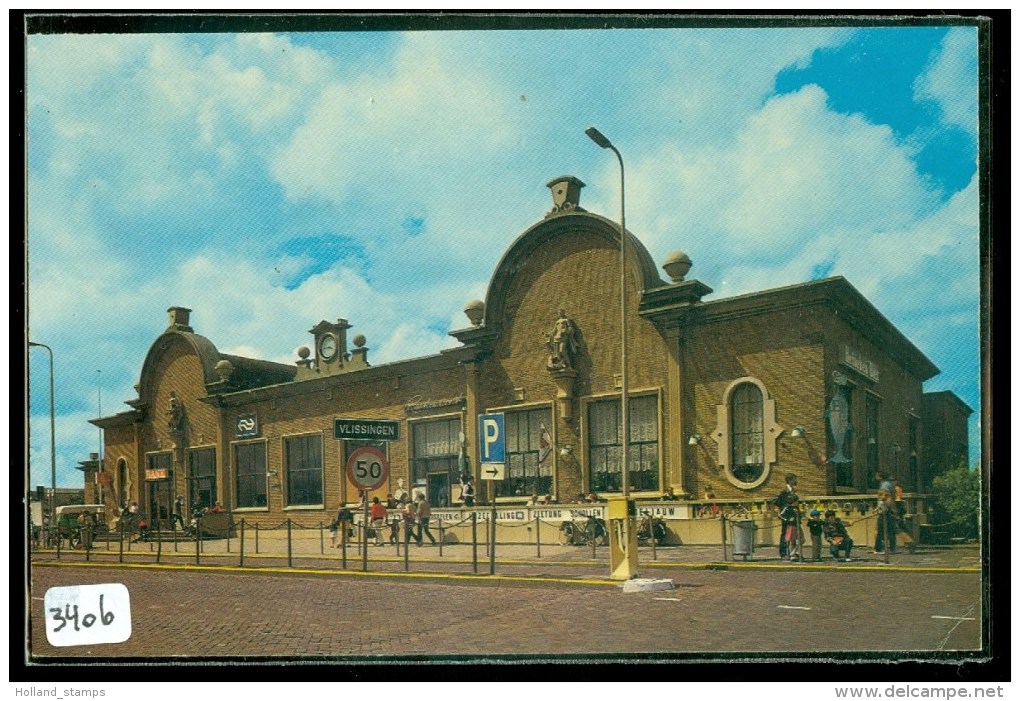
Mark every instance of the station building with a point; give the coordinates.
(726, 395)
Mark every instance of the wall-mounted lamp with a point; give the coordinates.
(271, 473)
(566, 450)
(797, 431)
(694, 439)
(872, 441)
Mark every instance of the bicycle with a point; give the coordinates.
(651, 527)
(584, 532)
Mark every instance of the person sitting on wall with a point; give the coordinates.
(593, 498)
(217, 508)
(670, 495)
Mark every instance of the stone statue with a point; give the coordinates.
(562, 344)
(175, 414)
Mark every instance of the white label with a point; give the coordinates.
(90, 614)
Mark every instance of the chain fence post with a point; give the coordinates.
(241, 548)
(474, 542)
(722, 521)
(290, 546)
(538, 537)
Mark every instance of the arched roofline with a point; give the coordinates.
(640, 262)
(207, 354)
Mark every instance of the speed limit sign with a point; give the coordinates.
(367, 468)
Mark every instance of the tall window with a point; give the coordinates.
(250, 467)
(202, 477)
(845, 470)
(303, 456)
(871, 432)
(435, 446)
(605, 444)
(529, 458)
(912, 431)
(747, 458)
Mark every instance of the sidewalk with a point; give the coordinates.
(307, 551)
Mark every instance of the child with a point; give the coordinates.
(815, 527)
(835, 533)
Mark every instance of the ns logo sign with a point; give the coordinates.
(247, 426)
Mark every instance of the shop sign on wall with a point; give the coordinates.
(853, 359)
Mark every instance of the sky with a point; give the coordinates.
(269, 181)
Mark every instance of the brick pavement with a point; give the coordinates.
(325, 614)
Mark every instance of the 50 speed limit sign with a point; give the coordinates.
(367, 468)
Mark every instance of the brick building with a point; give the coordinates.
(732, 393)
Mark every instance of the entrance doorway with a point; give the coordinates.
(439, 489)
(158, 500)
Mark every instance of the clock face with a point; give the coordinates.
(327, 346)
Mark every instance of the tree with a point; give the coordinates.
(957, 496)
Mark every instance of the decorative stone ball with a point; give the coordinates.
(224, 369)
(303, 352)
(359, 340)
(677, 265)
(475, 311)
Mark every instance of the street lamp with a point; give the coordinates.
(628, 566)
(53, 440)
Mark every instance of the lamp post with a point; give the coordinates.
(627, 567)
(53, 440)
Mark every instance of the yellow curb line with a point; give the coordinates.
(323, 572)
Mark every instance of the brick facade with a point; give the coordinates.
(683, 352)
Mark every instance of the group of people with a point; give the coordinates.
(415, 514)
(890, 511)
(830, 529)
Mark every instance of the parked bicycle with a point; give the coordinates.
(651, 527)
(584, 531)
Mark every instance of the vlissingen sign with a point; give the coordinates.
(366, 430)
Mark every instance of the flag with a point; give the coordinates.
(544, 443)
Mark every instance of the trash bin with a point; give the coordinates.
(743, 537)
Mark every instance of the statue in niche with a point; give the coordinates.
(562, 344)
(175, 414)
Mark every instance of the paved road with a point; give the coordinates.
(333, 614)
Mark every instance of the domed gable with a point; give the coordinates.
(246, 373)
(642, 267)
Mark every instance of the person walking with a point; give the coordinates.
(377, 514)
(409, 514)
(178, 516)
(424, 513)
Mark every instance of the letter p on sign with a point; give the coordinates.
(491, 440)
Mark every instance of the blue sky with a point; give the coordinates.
(268, 181)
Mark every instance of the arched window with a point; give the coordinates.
(746, 433)
(122, 481)
(747, 457)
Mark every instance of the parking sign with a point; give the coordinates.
(491, 439)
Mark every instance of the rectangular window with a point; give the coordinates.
(250, 467)
(435, 447)
(871, 432)
(201, 478)
(529, 461)
(605, 444)
(912, 431)
(845, 470)
(303, 463)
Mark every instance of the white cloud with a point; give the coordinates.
(950, 79)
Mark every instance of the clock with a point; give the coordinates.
(327, 346)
